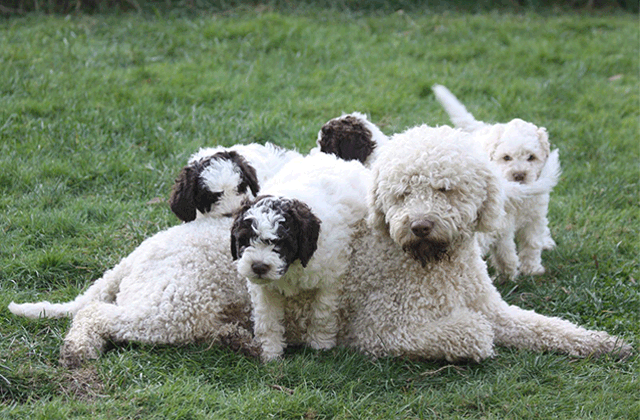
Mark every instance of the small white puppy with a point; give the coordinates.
(294, 238)
(216, 180)
(521, 151)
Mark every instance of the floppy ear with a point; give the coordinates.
(492, 139)
(235, 227)
(248, 172)
(544, 141)
(376, 219)
(491, 213)
(308, 230)
(182, 200)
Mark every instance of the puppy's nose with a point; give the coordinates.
(259, 268)
(421, 228)
(519, 176)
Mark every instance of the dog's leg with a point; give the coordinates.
(547, 240)
(516, 327)
(268, 315)
(530, 242)
(503, 255)
(323, 326)
(462, 335)
(86, 337)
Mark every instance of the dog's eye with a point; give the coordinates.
(443, 189)
(507, 158)
(531, 158)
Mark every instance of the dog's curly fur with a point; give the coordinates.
(521, 150)
(177, 286)
(295, 239)
(417, 285)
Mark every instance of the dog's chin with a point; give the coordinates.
(426, 251)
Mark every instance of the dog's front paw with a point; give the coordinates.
(266, 357)
(531, 269)
(318, 343)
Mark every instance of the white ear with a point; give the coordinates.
(492, 139)
(376, 219)
(544, 141)
(491, 214)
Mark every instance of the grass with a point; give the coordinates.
(99, 113)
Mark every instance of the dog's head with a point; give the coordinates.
(269, 234)
(350, 137)
(520, 149)
(215, 185)
(432, 190)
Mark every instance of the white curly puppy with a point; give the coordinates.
(351, 137)
(294, 238)
(177, 286)
(416, 283)
(216, 180)
(521, 150)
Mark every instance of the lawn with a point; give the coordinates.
(98, 114)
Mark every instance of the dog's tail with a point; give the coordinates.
(458, 114)
(104, 289)
(548, 179)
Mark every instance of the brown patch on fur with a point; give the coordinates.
(348, 138)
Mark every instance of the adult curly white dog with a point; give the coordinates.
(216, 180)
(416, 283)
(522, 152)
(177, 286)
(294, 238)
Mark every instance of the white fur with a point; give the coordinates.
(335, 191)
(178, 286)
(448, 308)
(521, 151)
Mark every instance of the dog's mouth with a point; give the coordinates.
(425, 251)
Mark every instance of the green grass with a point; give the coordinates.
(99, 113)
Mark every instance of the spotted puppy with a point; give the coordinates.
(351, 137)
(293, 239)
(217, 180)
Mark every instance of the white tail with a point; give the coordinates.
(104, 289)
(458, 114)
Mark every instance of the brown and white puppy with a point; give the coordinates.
(217, 180)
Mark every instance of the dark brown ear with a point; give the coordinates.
(308, 230)
(237, 226)
(249, 175)
(182, 200)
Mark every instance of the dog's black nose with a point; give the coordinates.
(519, 176)
(259, 268)
(421, 228)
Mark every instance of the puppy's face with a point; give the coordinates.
(347, 137)
(521, 151)
(271, 233)
(215, 185)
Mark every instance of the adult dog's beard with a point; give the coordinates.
(426, 251)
